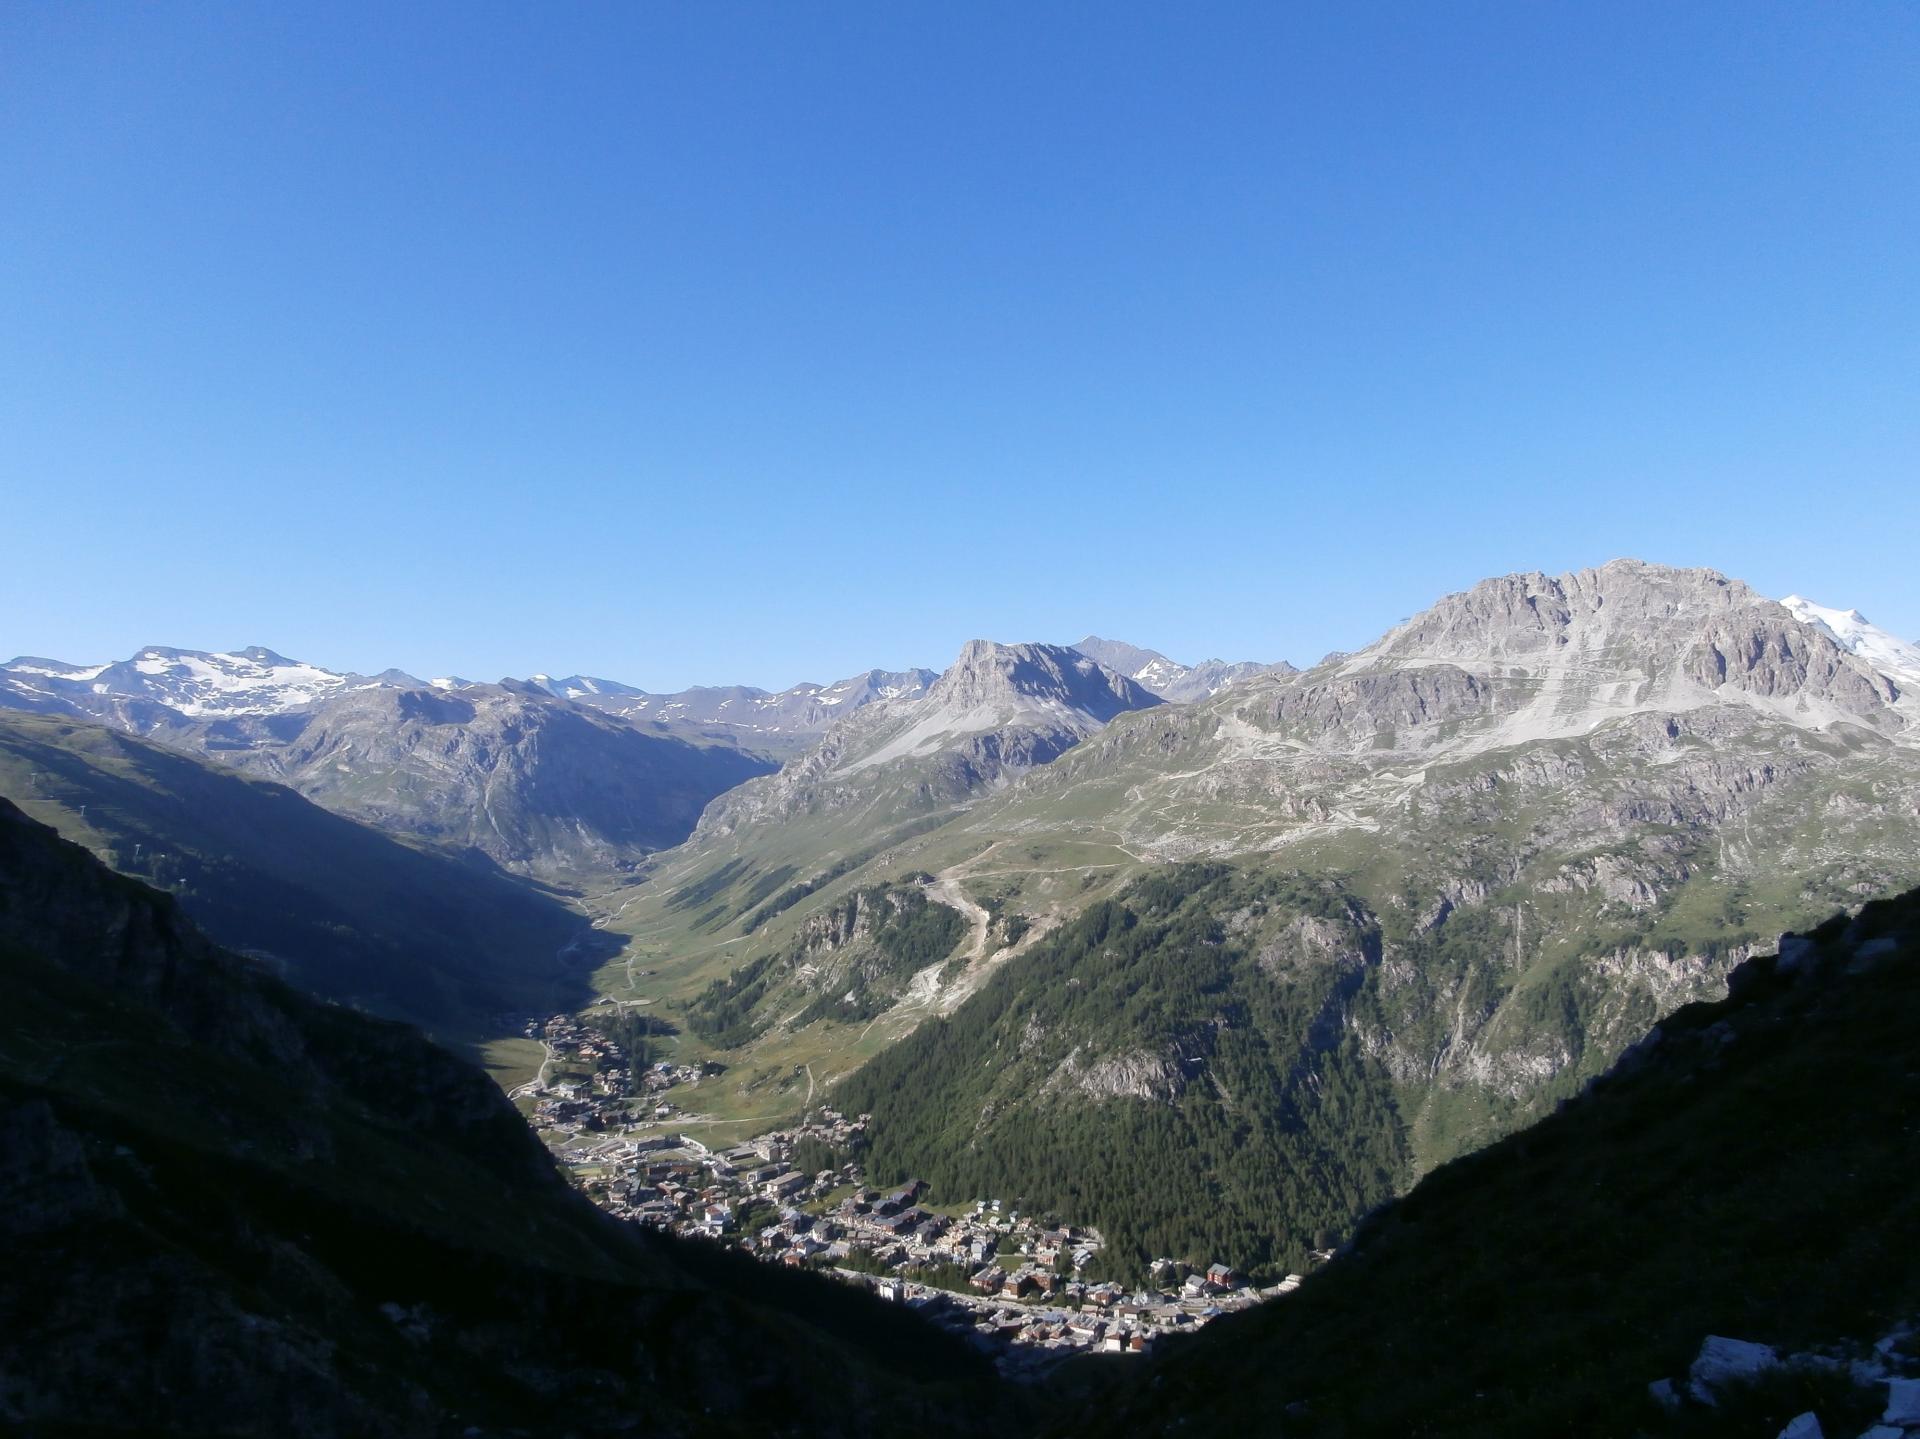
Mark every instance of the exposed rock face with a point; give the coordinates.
(1310, 940)
(1136, 1074)
(1638, 694)
(1021, 679)
(999, 710)
(1630, 637)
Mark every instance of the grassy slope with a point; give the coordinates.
(1798, 824)
(1751, 1176)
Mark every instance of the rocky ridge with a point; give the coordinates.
(996, 712)
(780, 723)
(1171, 680)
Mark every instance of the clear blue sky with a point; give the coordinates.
(710, 342)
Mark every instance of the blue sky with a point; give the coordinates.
(751, 343)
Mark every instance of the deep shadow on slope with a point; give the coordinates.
(1748, 1170)
(341, 909)
(231, 1209)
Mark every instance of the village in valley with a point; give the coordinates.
(1016, 1284)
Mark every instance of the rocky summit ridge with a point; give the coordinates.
(1678, 677)
(997, 711)
(1561, 654)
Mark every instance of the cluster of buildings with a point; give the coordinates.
(1012, 1283)
(1032, 1334)
(595, 1086)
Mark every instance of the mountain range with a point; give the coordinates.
(1478, 857)
(1170, 679)
(777, 724)
(510, 773)
(554, 777)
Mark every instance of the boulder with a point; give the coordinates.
(1803, 1426)
(1903, 1402)
(1724, 1361)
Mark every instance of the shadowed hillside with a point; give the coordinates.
(338, 907)
(1747, 1170)
(229, 1208)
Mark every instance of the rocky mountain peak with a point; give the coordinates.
(1631, 636)
(990, 676)
(1897, 659)
(1128, 659)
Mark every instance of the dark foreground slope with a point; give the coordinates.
(1746, 1171)
(340, 908)
(229, 1209)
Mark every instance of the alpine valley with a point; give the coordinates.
(1123, 966)
(1219, 976)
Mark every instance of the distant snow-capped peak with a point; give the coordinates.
(253, 681)
(1892, 656)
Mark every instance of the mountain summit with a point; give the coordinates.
(1892, 656)
(997, 710)
(990, 680)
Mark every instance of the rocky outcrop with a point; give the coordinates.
(1135, 1074)
(1630, 636)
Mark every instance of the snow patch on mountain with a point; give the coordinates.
(1892, 656)
(194, 683)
